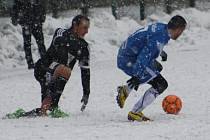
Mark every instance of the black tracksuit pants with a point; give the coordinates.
(36, 31)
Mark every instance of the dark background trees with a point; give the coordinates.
(56, 6)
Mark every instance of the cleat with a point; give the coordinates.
(122, 95)
(15, 115)
(132, 116)
(58, 113)
(33, 113)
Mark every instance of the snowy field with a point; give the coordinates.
(187, 71)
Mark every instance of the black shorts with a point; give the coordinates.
(159, 83)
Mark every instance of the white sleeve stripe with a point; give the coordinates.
(59, 34)
(151, 72)
(85, 67)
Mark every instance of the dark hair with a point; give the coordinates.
(177, 22)
(77, 19)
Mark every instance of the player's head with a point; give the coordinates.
(176, 26)
(80, 25)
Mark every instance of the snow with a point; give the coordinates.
(187, 72)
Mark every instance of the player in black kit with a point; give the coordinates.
(68, 46)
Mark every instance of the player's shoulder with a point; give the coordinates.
(60, 30)
(157, 27)
(84, 43)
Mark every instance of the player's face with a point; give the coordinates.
(176, 33)
(82, 28)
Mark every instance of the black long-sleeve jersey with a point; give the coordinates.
(67, 48)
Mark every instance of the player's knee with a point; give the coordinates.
(62, 71)
(39, 72)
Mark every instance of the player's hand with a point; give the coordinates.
(134, 83)
(84, 101)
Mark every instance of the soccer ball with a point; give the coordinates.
(172, 104)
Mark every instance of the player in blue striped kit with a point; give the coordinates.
(137, 58)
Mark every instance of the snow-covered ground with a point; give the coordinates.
(187, 71)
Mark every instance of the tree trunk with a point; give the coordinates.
(142, 9)
(168, 6)
(192, 3)
(54, 5)
(84, 8)
(115, 9)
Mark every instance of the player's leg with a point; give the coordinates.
(56, 86)
(39, 74)
(26, 31)
(38, 35)
(125, 90)
(159, 84)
